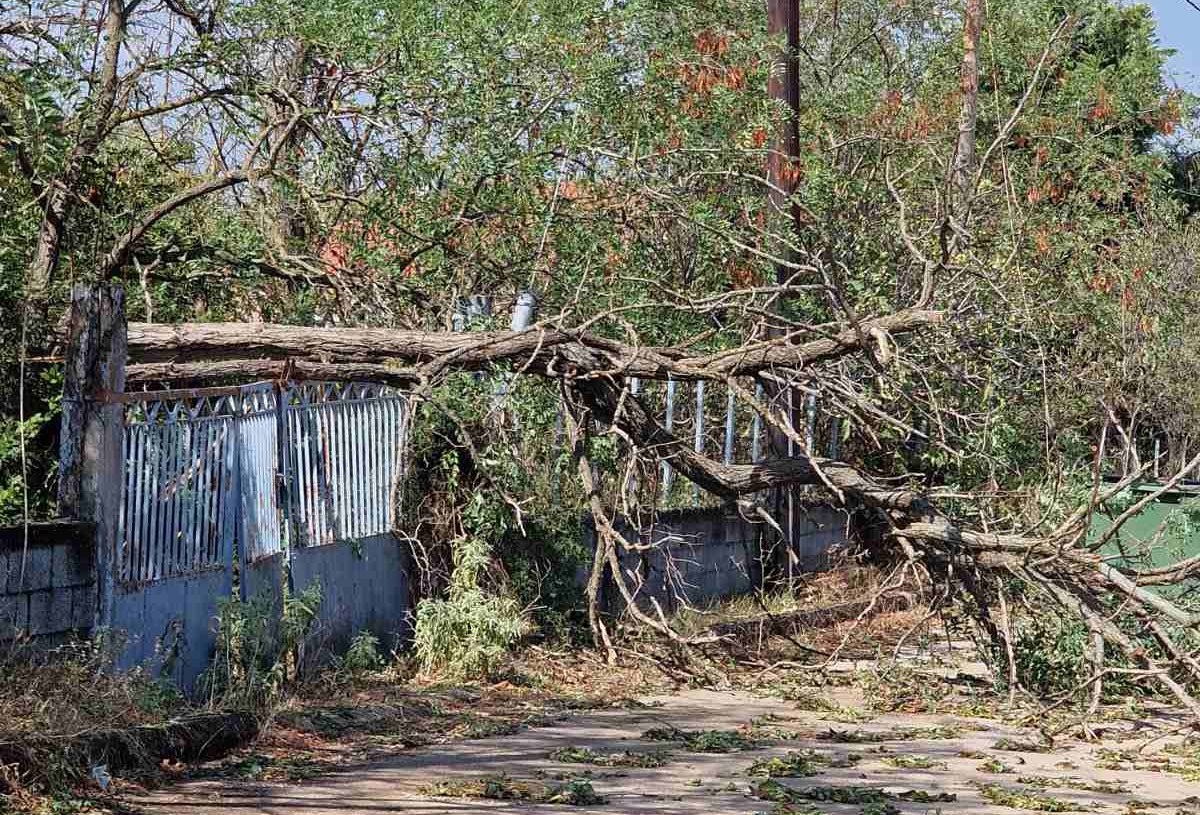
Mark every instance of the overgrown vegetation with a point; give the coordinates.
(968, 240)
(255, 654)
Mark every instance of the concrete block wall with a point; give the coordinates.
(54, 594)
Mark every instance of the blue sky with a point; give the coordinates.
(1179, 28)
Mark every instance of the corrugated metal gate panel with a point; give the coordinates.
(261, 531)
(203, 476)
(345, 459)
(177, 498)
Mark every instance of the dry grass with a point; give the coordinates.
(65, 693)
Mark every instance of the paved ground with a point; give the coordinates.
(711, 783)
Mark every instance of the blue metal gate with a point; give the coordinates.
(221, 482)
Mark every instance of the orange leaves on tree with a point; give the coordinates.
(711, 43)
(1101, 109)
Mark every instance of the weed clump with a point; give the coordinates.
(703, 741)
(1030, 801)
(629, 758)
(573, 791)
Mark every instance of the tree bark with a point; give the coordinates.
(541, 349)
(964, 150)
(64, 190)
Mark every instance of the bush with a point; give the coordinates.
(466, 633)
(363, 654)
(254, 654)
(1052, 657)
(1050, 654)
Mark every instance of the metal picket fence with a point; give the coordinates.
(265, 465)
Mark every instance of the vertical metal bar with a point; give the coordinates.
(133, 498)
(226, 489)
(124, 550)
(730, 420)
(204, 491)
(698, 440)
(670, 424)
(155, 534)
(349, 463)
(313, 418)
(170, 471)
(291, 442)
(379, 458)
(231, 482)
(354, 459)
(339, 414)
(348, 469)
(145, 500)
(810, 423)
(295, 442)
(1157, 453)
(243, 443)
(196, 491)
(301, 418)
(329, 453)
(187, 496)
(179, 495)
(370, 469)
(392, 427)
(261, 488)
(362, 495)
(247, 454)
(172, 487)
(216, 522)
(756, 428)
(322, 439)
(212, 476)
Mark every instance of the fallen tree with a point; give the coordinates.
(1153, 636)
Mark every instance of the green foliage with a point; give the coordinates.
(256, 651)
(703, 741)
(1051, 657)
(504, 577)
(1050, 654)
(629, 758)
(362, 656)
(466, 634)
(793, 765)
(1029, 801)
(573, 791)
(774, 791)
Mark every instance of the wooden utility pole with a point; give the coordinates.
(783, 23)
(783, 85)
(91, 460)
